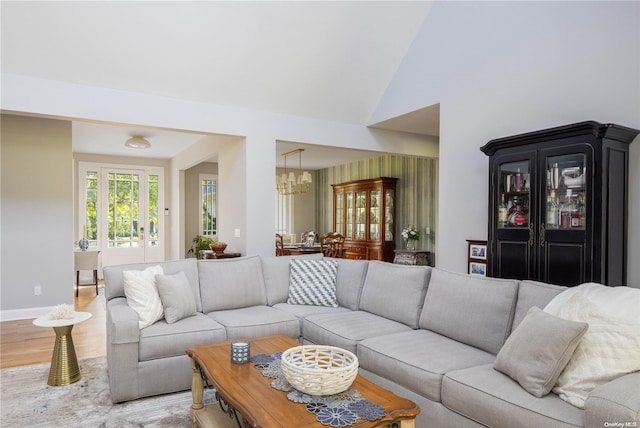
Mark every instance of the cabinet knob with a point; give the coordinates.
(542, 234)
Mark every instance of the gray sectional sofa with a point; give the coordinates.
(426, 334)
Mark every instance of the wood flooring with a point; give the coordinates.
(22, 343)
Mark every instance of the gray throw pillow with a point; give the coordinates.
(538, 350)
(176, 295)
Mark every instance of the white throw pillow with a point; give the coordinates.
(610, 347)
(313, 282)
(142, 294)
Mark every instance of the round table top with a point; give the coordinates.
(46, 321)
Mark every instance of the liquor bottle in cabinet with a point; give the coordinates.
(565, 191)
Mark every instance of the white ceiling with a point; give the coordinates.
(327, 60)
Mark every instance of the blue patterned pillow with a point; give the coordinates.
(313, 282)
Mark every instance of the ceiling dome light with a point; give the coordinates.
(137, 142)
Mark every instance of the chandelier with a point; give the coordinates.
(290, 183)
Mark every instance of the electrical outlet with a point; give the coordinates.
(37, 290)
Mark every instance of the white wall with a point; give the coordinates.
(255, 163)
(37, 216)
(503, 68)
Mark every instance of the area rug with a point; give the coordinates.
(27, 401)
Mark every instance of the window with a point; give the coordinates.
(284, 215)
(90, 225)
(152, 203)
(209, 204)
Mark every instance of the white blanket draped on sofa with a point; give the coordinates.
(611, 346)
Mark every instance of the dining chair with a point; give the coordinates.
(86, 260)
(332, 245)
(280, 250)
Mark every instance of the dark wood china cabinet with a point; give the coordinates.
(364, 212)
(558, 204)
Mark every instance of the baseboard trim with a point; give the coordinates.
(24, 314)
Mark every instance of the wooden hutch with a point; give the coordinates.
(364, 212)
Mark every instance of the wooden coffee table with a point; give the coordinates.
(249, 396)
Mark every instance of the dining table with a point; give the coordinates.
(296, 250)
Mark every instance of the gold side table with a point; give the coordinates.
(64, 363)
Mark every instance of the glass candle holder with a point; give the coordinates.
(240, 352)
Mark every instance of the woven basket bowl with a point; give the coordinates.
(319, 370)
(218, 247)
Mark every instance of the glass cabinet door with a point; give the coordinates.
(361, 214)
(349, 217)
(388, 218)
(566, 187)
(374, 215)
(340, 213)
(514, 195)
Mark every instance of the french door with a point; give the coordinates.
(119, 211)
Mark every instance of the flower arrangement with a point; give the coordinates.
(410, 233)
(62, 312)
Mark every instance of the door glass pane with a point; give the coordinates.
(361, 213)
(566, 186)
(349, 215)
(123, 210)
(374, 215)
(388, 217)
(91, 208)
(514, 196)
(152, 230)
(340, 214)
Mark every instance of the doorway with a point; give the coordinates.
(119, 212)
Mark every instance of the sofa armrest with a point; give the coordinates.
(616, 403)
(122, 322)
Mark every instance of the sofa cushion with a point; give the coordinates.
(494, 399)
(418, 359)
(394, 291)
(162, 339)
(313, 282)
(471, 309)
(114, 284)
(538, 350)
(275, 271)
(533, 293)
(231, 283)
(620, 397)
(177, 299)
(349, 282)
(255, 321)
(346, 329)
(303, 311)
(142, 294)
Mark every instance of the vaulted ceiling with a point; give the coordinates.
(326, 60)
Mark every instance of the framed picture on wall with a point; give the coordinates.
(477, 257)
(477, 268)
(478, 251)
